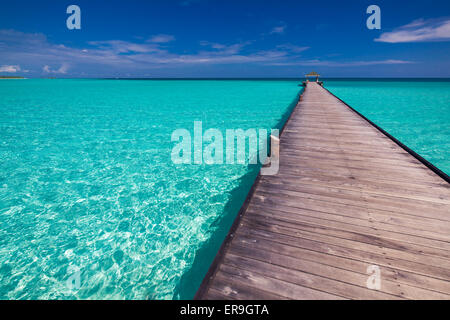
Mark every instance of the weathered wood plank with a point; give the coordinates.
(368, 185)
(304, 273)
(311, 219)
(360, 199)
(316, 275)
(285, 289)
(361, 221)
(335, 260)
(379, 246)
(429, 228)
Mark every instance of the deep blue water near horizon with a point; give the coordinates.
(86, 180)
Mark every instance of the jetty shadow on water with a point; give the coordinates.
(191, 280)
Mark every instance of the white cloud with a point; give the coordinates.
(115, 55)
(62, 69)
(162, 38)
(419, 31)
(224, 49)
(316, 62)
(293, 48)
(10, 69)
(112, 57)
(278, 30)
(119, 46)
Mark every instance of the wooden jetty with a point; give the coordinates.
(348, 201)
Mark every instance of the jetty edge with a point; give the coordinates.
(349, 204)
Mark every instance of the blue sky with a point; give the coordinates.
(206, 38)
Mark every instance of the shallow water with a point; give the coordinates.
(87, 183)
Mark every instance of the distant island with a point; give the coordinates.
(11, 77)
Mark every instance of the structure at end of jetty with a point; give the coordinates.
(312, 74)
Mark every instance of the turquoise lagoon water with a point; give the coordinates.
(416, 112)
(87, 183)
(88, 190)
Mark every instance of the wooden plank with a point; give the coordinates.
(380, 246)
(355, 173)
(313, 219)
(304, 273)
(367, 184)
(330, 259)
(286, 289)
(404, 223)
(360, 199)
(288, 241)
(349, 284)
(404, 161)
(338, 151)
(347, 196)
(365, 222)
(236, 288)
